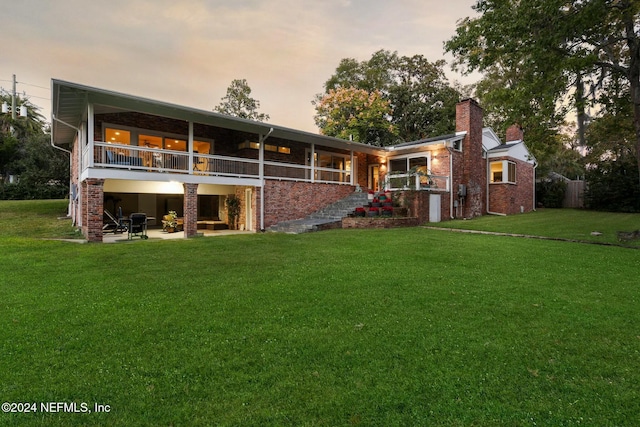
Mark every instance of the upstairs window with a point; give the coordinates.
(117, 136)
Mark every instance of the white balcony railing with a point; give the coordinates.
(134, 158)
(409, 181)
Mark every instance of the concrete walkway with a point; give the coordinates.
(528, 236)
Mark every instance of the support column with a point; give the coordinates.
(190, 210)
(93, 209)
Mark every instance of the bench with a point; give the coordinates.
(123, 160)
(212, 225)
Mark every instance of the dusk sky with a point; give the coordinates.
(188, 52)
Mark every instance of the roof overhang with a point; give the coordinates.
(70, 105)
(423, 144)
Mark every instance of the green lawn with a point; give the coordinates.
(338, 328)
(573, 224)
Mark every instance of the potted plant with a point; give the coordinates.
(169, 222)
(233, 210)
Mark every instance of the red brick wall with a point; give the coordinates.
(190, 209)
(472, 165)
(92, 209)
(287, 200)
(507, 198)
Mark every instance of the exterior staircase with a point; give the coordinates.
(327, 217)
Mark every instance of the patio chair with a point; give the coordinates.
(122, 225)
(138, 226)
(116, 225)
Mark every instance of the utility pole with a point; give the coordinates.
(13, 99)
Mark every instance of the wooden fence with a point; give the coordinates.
(574, 196)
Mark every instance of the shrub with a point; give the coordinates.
(550, 192)
(613, 186)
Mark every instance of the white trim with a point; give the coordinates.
(90, 135)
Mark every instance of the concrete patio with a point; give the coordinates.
(158, 234)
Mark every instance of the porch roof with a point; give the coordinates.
(427, 141)
(69, 110)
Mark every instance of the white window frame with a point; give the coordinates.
(505, 172)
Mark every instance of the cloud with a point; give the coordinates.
(188, 52)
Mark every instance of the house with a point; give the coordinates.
(149, 156)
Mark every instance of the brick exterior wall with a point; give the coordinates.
(473, 167)
(507, 198)
(190, 209)
(287, 200)
(92, 209)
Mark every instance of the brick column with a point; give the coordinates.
(474, 171)
(190, 210)
(93, 209)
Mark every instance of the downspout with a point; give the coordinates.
(66, 124)
(69, 208)
(450, 183)
(533, 206)
(262, 140)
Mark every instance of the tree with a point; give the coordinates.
(421, 100)
(580, 46)
(356, 114)
(15, 133)
(34, 123)
(238, 102)
(612, 165)
(26, 152)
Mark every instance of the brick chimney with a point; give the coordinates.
(472, 170)
(514, 133)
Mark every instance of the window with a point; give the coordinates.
(202, 147)
(398, 165)
(152, 139)
(175, 144)
(267, 147)
(403, 171)
(503, 171)
(420, 163)
(117, 136)
(149, 141)
(331, 167)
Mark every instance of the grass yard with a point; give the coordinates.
(572, 224)
(338, 328)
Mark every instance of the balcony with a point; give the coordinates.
(207, 167)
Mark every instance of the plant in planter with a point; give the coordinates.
(169, 222)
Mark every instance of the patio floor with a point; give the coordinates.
(157, 234)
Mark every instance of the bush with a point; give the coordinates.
(613, 186)
(550, 193)
(24, 191)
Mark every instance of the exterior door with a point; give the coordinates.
(374, 177)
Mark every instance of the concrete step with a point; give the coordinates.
(325, 218)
